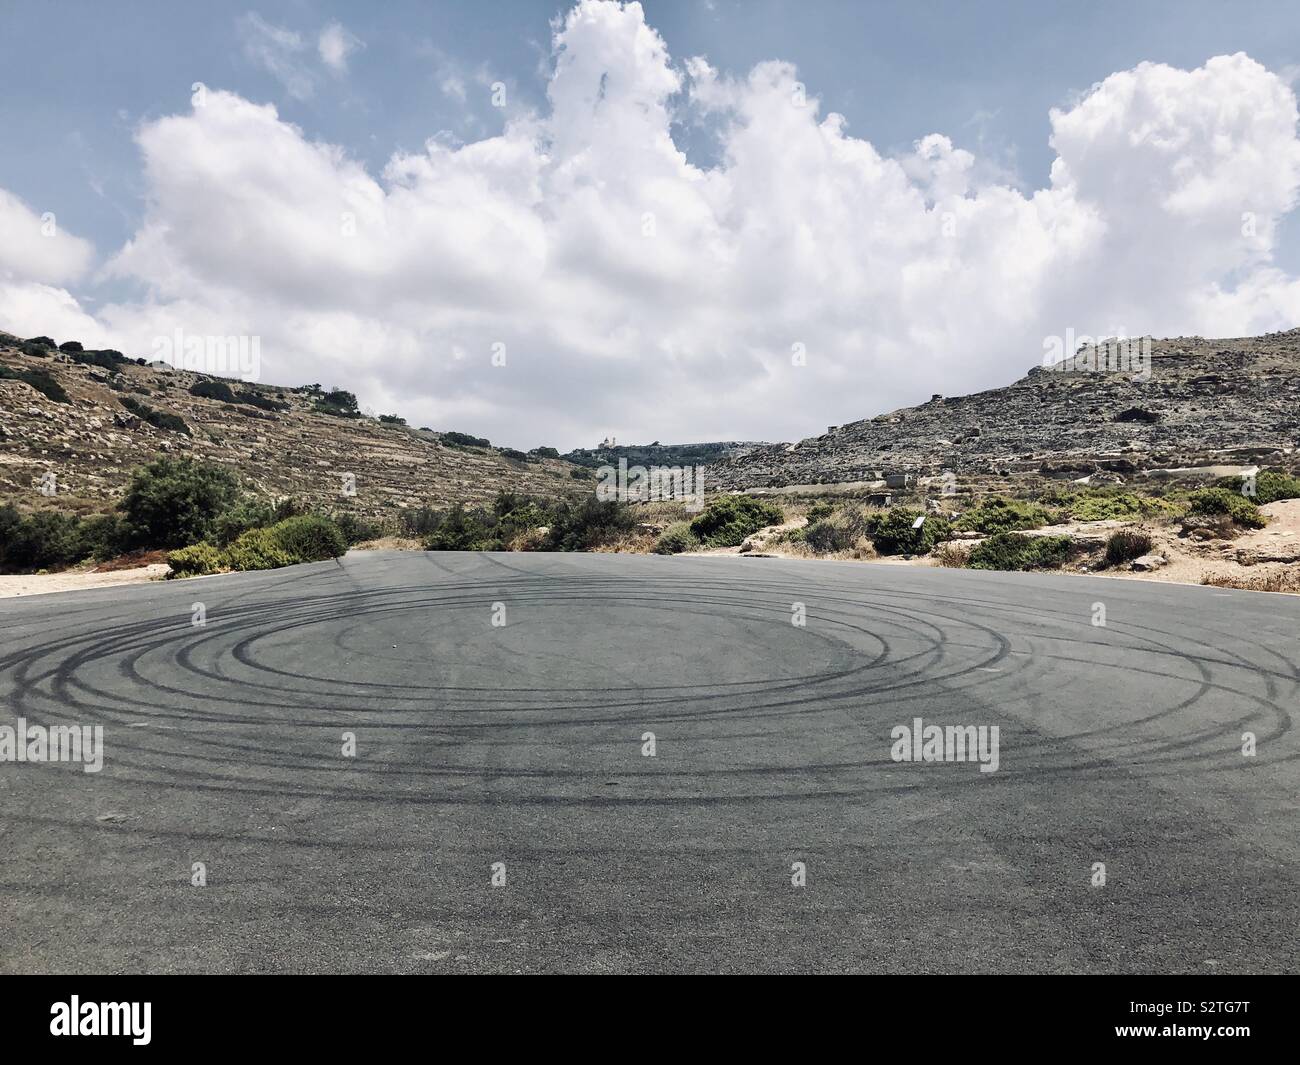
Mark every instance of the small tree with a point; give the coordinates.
(173, 502)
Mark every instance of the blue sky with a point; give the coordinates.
(81, 80)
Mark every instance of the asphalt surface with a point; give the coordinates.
(522, 744)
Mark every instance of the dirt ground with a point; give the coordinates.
(74, 580)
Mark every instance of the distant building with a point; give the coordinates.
(898, 480)
(880, 499)
(609, 441)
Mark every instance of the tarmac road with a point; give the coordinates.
(522, 743)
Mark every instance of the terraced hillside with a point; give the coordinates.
(92, 441)
(1204, 402)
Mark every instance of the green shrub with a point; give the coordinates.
(1108, 505)
(838, 532)
(41, 380)
(1270, 486)
(107, 360)
(589, 523)
(999, 514)
(892, 531)
(727, 520)
(310, 538)
(676, 538)
(1211, 501)
(257, 549)
(391, 419)
(174, 502)
(338, 402)
(251, 513)
(157, 418)
(457, 530)
(465, 440)
(256, 399)
(1126, 545)
(1015, 551)
(195, 561)
(104, 536)
(820, 510)
(212, 389)
(356, 529)
(545, 452)
(45, 539)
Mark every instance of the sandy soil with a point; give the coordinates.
(74, 580)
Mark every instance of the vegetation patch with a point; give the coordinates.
(677, 538)
(727, 520)
(1000, 514)
(1015, 551)
(1211, 501)
(899, 531)
(41, 380)
(1125, 545)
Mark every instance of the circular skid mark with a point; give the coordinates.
(257, 700)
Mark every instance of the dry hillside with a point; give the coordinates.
(92, 442)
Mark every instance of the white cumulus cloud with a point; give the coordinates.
(638, 293)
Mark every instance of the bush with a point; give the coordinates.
(211, 389)
(175, 502)
(676, 538)
(1126, 545)
(459, 531)
(1105, 505)
(820, 511)
(43, 342)
(256, 399)
(104, 536)
(589, 524)
(70, 346)
(250, 513)
(1270, 486)
(1210, 501)
(839, 532)
(356, 529)
(545, 452)
(157, 418)
(1000, 514)
(892, 531)
(41, 380)
(465, 440)
(257, 549)
(310, 538)
(727, 520)
(1014, 551)
(42, 540)
(338, 402)
(391, 419)
(193, 561)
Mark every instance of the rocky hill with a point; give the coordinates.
(97, 422)
(658, 454)
(1203, 403)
